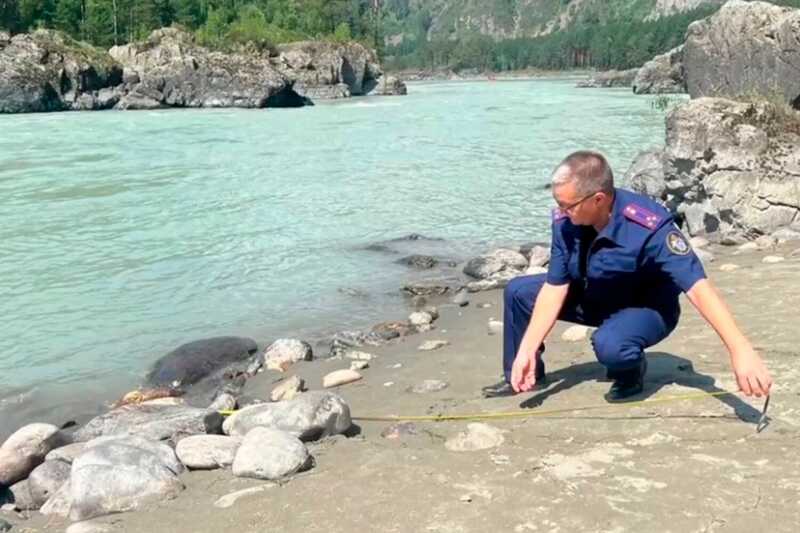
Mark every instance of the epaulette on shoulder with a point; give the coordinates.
(642, 216)
(558, 214)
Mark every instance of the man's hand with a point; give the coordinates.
(523, 373)
(751, 373)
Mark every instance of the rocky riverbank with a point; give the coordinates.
(297, 432)
(48, 71)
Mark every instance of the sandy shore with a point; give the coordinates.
(684, 466)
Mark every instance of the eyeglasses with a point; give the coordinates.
(570, 207)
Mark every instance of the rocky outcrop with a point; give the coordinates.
(49, 71)
(661, 75)
(731, 170)
(325, 70)
(745, 48)
(609, 78)
(170, 69)
(646, 174)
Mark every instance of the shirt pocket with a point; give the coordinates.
(613, 264)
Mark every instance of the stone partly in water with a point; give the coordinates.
(49, 71)
(661, 75)
(156, 422)
(419, 262)
(191, 362)
(116, 475)
(207, 452)
(744, 48)
(311, 416)
(609, 78)
(171, 70)
(270, 454)
(26, 449)
(500, 260)
(420, 318)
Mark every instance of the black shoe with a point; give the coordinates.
(627, 383)
(503, 388)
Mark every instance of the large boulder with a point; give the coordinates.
(26, 449)
(609, 78)
(170, 69)
(152, 421)
(744, 48)
(732, 169)
(193, 361)
(661, 75)
(389, 86)
(320, 69)
(116, 475)
(49, 71)
(310, 416)
(268, 453)
(646, 174)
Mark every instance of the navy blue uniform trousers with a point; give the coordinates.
(619, 340)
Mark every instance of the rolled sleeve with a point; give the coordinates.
(671, 253)
(557, 271)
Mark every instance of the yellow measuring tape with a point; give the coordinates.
(762, 423)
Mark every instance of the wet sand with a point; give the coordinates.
(694, 465)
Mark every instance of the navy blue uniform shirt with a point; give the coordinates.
(640, 259)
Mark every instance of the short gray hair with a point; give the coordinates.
(589, 171)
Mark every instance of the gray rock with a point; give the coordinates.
(46, 479)
(154, 422)
(730, 172)
(646, 174)
(340, 377)
(786, 235)
(661, 75)
(174, 71)
(310, 416)
(223, 402)
(431, 345)
(21, 496)
(744, 48)
(66, 453)
(420, 318)
(324, 69)
(117, 475)
(270, 454)
(59, 503)
(425, 289)
(191, 362)
(207, 452)
(609, 78)
(461, 299)
(48, 71)
(488, 265)
(26, 449)
(288, 389)
(389, 86)
(283, 353)
(538, 256)
(5, 525)
(419, 262)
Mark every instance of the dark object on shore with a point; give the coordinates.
(191, 362)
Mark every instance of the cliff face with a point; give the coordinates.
(507, 19)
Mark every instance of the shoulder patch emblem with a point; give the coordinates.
(558, 214)
(641, 216)
(677, 243)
